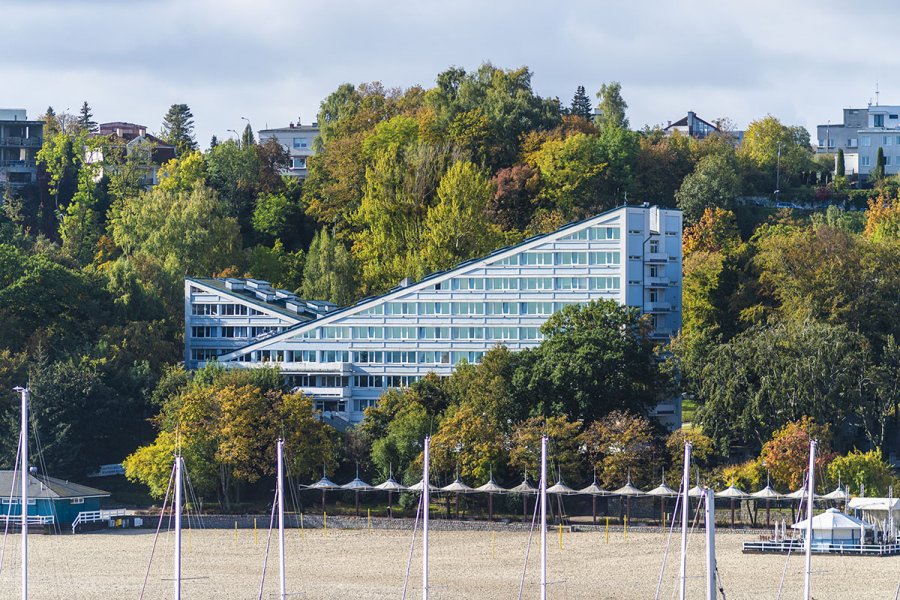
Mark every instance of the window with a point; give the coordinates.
(257, 331)
(605, 233)
(578, 235)
(468, 333)
(400, 333)
(536, 283)
(654, 246)
(508, 261)
(605, 258)
(529, 333)
(571, 258)
(400, 358)
(468, 308)
(468, 283)
(887, 160)
(366, 357)
(878, 120)
(375, 310)
(865, 161)
(537, 308)
(204, 309)
(537, 258)
(865, 141)
(301, 142)
(502, 333)
(336, 333)
(503, 283)
(887, 140)
(634, 231)
(604, 283)
(434, 358)
(892, 117)
(368, 333)
(234, 332)
(368, 381)
(232, 310)
(204, 354)
(334, 356)
(76, 501)
(470, 357)
(401, 308)
(504, 308)
(434, 308)
(298, 162)
(434, 333)
(203, 332)
(302, 356)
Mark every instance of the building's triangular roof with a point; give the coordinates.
(42, 486)
(432, 279)
(832, 519)
(277, 306)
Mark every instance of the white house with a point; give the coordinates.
(298, 140)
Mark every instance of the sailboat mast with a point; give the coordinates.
(177, 565)
(280, 494)
(543, 518)
(710, 544)
(685, 516)
(811, 492)
(24, 394)
(426, 500)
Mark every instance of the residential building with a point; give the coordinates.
(344, 358)
(50, 500)
(691, 125)
(299, 141)
(133, 140)
(20, 141)
(862, 133)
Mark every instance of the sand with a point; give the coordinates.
(464, 565)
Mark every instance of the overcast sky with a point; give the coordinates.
(274, 60)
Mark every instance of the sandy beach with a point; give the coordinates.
(372, 565)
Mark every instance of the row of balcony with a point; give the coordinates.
(20, 142)
(23, 164)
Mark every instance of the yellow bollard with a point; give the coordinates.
(560, 536)
(607, 530)
(302, 530)
(369, 520)
(255, 533)
(625, 529)
(325, 523)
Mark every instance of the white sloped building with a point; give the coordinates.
(345, 357)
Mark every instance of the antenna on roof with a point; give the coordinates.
(876, 93)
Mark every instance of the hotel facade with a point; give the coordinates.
(344, 358)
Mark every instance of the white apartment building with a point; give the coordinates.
(345, 358)
(298, 140)
(863, 131)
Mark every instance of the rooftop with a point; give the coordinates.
(262, 294)
(43, 486)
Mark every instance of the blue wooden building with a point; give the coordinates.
(50, 500)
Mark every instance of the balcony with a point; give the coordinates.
(20, 164)
(657, 282)
(323, 393)
(20, 142)
(657, 307)
(656, 257)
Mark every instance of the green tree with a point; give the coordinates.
(81, 228)
(86, 119)
(867, 469)
(878, 171)
(247, 138)
(770, 146)
(181, 174)
(468, 443)
(276, 217)
(178, 128)
(456, 228)
(713, 184)
(562, 452)
(581, 104)
(840, 169)
(594, 358)
(571, 172)
(329, 272)
(612, 106)
(282, 268)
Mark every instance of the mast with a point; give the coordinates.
(685, 516)
(280, 494)
(24, 394)
(809, 516)
(177, 566)
(426, 499)
(543, 518)
(710, 544)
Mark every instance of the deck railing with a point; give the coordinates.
(96, 516)
(32, 519)
(798, 546)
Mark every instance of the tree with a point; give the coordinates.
(878, 171)
(776, 151)
(713, 184)
(276, 217)
(595, 358)
(81, 228)
(330, 272)
(858, 469)
(786, 455)
(581, 104)
(840, 169)
(247, 138)
(620, 446)
(456, 228)
(182, 173)
(571, 172)
(714, 232)
(282, 268)
(883, 219)
(702, 447)
(562, 451)
(767, 377)
(510, 207)
(178, 128)
(468, 443)
(612, 106)
(85, 119)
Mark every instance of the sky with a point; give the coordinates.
(271, 62)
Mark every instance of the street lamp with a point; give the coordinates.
(778, 174)
(236, 135)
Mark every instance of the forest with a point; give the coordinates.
(788, 314)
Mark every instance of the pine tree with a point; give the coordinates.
(213, 142)
(247, 138)
(581, 104)
(86, 119)
(840, 169)
(329, 272)
(51, 124)
(178, 129)
(878, 171)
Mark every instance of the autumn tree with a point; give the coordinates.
(786, 455)
(563, 445)
(468, 443)
(621, 447)
(714, 232)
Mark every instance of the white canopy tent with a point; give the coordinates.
(834, 528)
(883, 511)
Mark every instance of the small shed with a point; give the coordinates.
(834, 528)
(50, 500)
